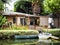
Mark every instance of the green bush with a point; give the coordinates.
(10, 33)
(20, 32)
(55, 32)
(2, 20)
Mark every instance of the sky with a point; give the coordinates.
(11, 6)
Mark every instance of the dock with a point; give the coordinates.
(54, 37)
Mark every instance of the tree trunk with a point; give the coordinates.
(36, 9)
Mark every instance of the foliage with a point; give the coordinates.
(1, 5)
(33, 8)
(2, 2)
(9, 34)
(55, 32)
(2, 20)
(23, 6)
(19, 27)
(14, 27)
(36, 5)
(6, 1)
(51, 6)
(20, 32)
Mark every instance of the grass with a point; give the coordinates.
(22, 32)
(51, 30)
(15, 28)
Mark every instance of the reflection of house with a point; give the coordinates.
(26, 19)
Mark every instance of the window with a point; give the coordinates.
(32, 21)
(14, 20)
(22, 21)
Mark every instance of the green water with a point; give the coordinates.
(29, 42)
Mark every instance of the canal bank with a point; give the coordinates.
(11, 34)
(55, 32)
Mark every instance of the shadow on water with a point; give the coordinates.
(19, 42)
(29, 42)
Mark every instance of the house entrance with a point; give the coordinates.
(34, 21)
(22, 21)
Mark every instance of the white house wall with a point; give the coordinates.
(18, 20)
(44, 21)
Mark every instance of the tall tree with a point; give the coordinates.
(52, 6)
(35, 5)
(23, 6)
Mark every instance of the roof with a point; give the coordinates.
(13, 13)
(18, 13)
(22, 14)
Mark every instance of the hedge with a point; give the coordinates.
(55, 32)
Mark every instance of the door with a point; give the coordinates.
(22, 21)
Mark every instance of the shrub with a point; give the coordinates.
(55, 32)
(2, 20)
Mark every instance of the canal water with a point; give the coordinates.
(29, 42)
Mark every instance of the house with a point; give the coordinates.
(32, 21)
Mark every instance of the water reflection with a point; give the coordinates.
(19, 42)
(29, 42)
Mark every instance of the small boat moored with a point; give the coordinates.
(26, 36)
(44, 35)
(47, 36)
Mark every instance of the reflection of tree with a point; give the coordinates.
(18, 42)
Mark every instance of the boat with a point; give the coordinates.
(47, 36)
(44, 35)
(26, 36)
